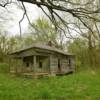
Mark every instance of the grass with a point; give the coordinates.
(4, 68)
(78, 86)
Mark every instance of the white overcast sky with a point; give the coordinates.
(9, 21)
(10, 17)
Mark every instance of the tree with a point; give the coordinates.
(44, 32)
(79, 48)
(80, 10)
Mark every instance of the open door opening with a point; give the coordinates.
(59, 65)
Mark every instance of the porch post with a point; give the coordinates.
(22, 65)
(34, 63)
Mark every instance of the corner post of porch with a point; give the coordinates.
(22, 65)
(34, 63)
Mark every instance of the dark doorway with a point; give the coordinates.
(69, 62)
(40, 64)
(59, 65)
(27, 64)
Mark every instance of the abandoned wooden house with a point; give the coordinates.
(43, 59)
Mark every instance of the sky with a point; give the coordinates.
(9, 20)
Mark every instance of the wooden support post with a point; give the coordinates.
(22, 65)
(34, 63)
(50, 64)
(51, 71)
(34, 67)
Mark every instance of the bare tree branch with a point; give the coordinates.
(79, 10)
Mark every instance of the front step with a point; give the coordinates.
(64, 73)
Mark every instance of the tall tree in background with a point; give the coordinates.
(44, 32)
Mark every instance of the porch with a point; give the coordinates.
(31, 64)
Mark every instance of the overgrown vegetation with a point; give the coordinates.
(4, 68)
(78, 86)
(87, 55)
(75, 27)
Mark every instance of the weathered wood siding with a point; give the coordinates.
(27, 64)
(64, 65)
(16, 65)
(72, 63)
(53, 64)
(45, 64)
(68, 64)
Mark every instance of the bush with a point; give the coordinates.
(4, 67)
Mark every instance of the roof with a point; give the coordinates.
(43, 47)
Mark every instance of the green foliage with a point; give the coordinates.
(80, 49)
(86, 55)
(78, 86)
(4, 68)
(45, 31)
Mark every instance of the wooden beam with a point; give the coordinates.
(22, 65)
(34, 63)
